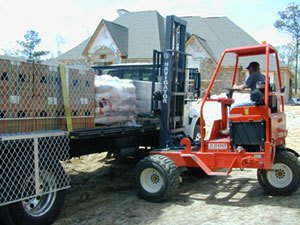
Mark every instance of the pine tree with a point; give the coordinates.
(32, 39)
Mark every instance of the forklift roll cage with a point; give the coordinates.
(219, 151)
(245, 52)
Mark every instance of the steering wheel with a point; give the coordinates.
(229, 91)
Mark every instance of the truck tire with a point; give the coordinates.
(197, 131)
(37, 210)
(197, 134)
(284, 177)
(157, 178)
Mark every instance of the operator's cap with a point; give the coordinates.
(254, 65)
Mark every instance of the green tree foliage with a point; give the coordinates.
(28, 45)
(289, 22)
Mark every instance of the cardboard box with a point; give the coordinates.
(16, 106)
(47, 106)
(31, 97)
(42, 123)
(47, 81)
(5, 77)
(22, 75)
(79, 123)
(18, 125)
(15, 77)
(81, 91)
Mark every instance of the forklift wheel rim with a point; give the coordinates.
(280, 176)
(151, 180)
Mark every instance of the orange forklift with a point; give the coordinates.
(256, 138)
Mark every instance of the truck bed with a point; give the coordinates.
(101, 139)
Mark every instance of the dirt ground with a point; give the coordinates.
(102, 192)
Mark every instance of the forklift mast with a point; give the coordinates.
(173, 81)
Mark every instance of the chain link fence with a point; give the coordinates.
(33, 136)
(82, 96)
(15, 96)
(30, 165)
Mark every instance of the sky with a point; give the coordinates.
(63, 24)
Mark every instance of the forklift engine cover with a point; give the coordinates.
(250, 134)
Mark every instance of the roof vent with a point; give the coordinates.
(122, 11)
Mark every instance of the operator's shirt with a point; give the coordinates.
(253, 79)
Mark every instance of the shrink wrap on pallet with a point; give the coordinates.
(115, 100)
(143, 95)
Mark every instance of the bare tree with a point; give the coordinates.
(290, 22)
(59, 42)
(287, 54)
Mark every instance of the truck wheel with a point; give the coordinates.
(157, 178)
(284, 177)
(37, 210)
(197, 131)
(197, 134)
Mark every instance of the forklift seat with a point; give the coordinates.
(257, 96)
(273, 103)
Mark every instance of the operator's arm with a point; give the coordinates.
(240, 87)
(245, 86)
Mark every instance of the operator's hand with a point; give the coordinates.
(239, 87)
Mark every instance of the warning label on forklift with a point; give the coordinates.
(217, 146)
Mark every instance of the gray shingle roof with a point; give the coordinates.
(219, 33)
(207, 48)
(145, 32)
(119, 34)
(137, 34)
(76, 52)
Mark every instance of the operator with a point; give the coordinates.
(254, 76)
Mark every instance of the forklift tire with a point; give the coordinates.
(284, 177)
(157, 178)
(37, 210)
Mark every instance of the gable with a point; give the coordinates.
(108, 36)
(199, 48)
(120, 36)
(103, 40)
(108, 44)
(134, 35)
(146, 32)
(196, 50)
(219, 33)
(196, 53)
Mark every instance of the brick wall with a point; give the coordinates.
(223, 79)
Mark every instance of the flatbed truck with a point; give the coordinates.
(33, 181)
